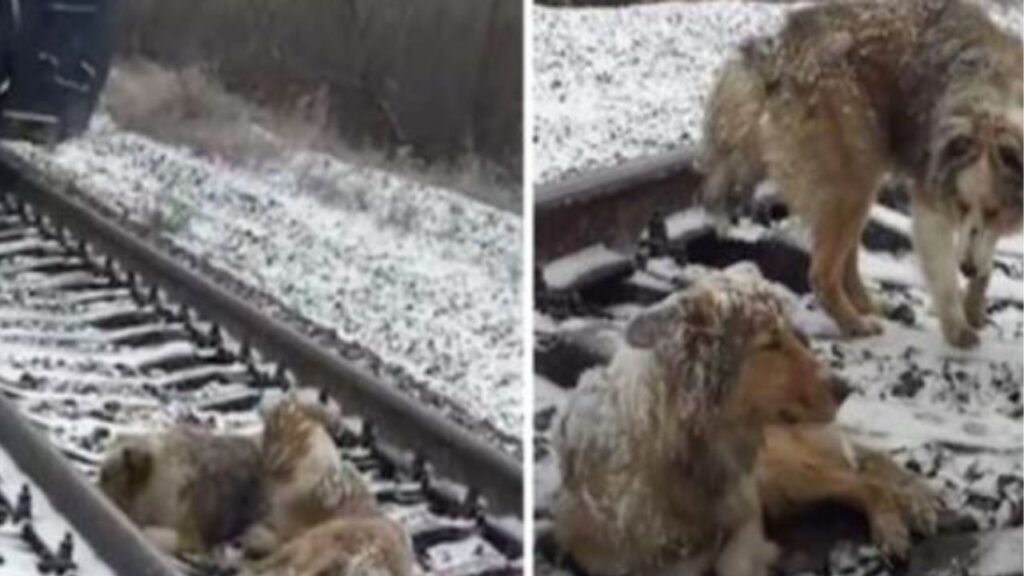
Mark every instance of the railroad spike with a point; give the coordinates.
(281, 378)
(67, 547)
(421, 471)
(83, 252)
(472, 504)
(109, 267)
(154, 296)
(368, 434)
(135, 288)
(23, 507)
(245, 355)
(183, 314)
(657, 234)
(33, 541)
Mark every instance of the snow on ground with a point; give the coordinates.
(614, 84)
(16, 558)
(422, 277)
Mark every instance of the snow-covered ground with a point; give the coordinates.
(424, 278)
(16, 558)
(614, 84)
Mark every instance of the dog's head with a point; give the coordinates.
(303, 407)
(126, 470)
(728, 351)
(975, 160)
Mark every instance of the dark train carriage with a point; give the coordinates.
(54, 59)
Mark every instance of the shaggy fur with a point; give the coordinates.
(657, 450)
(187, 490)
(190, 491)
(852, 93)
(347, 546)
(305, 480)
(319, 505)
(802, 466)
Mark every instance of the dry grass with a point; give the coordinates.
(186, 107)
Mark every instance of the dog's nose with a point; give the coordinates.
(841, 389)
(968, 269)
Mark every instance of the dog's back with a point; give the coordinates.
(859, 50)
(732, 144)
(203, 487)
(610, 511)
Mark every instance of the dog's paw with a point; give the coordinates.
(921, 506)
(960, 334)
(862, 327)
(975, 313)
(890, 534)
(768, 556)
(864, 303)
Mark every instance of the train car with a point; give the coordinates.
(54, 59)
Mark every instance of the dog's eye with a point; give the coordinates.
(990, 214)
(957, 148)
(1010, 158)
(963, 207)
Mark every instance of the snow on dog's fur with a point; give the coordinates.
(306, 482)
(657, 449)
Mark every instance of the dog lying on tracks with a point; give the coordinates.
(852, 93)
(281, 494)
(716, 414)
(657, 451)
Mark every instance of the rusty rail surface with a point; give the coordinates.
(612, 205)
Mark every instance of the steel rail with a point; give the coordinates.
(612, 205)
(112, 536)
(450, 450)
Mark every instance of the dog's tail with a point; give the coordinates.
(732, 157)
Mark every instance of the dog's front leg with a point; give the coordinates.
(747, 552)
(974, 301)
(933, 241)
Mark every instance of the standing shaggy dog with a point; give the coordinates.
(851, 93)
(657, 451)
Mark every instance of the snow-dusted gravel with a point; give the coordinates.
(614, 84)
(424, 278)
(16, 557)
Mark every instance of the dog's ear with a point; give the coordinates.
(651, 325)
(138, 463)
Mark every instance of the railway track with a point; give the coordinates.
(614, 241)
(101, 332)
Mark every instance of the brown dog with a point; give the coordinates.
(346, 546)
(657, 451)
(803, 466)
